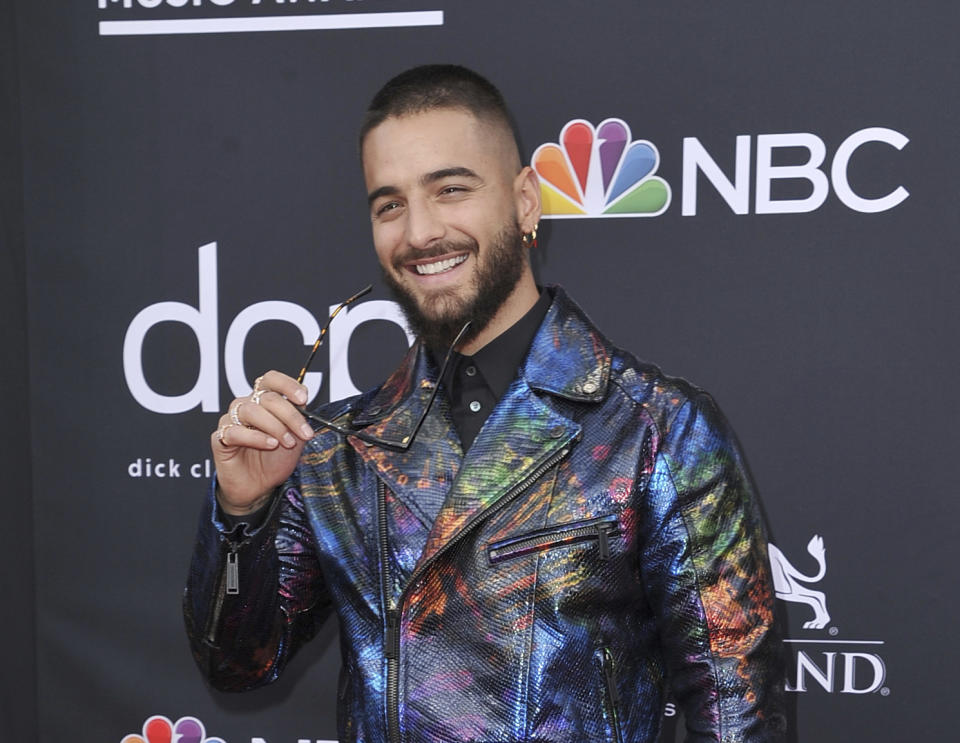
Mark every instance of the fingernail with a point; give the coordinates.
(288, 440)
(272, 442)
(307, 431)
(302, 396)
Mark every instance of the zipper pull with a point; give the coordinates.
(610, 677)
(604, 542)
(392, 641)
(233, 573)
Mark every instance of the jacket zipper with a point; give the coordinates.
(392, 639)
(601, 529)
(391, 648)
(611, 697)
(233, 573)
(229, 584)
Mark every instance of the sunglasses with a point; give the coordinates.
(399, 444)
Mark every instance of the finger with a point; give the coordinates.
(233, 412)
(283, 384)
(231, 437)
(246, 412)
(276, 416)
(281, 407)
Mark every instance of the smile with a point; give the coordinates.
(428, 269)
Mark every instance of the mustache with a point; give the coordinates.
(436, 250)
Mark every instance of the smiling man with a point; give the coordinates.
(442, 183)
(525, 533)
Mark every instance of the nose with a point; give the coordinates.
(424, 225)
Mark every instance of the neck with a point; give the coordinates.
(523, 297)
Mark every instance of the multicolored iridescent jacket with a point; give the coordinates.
(598, 542)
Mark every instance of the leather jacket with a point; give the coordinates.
(599, 542)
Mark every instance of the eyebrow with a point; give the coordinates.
(425, 179)
(455, 172)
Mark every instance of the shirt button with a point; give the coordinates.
(475, 406)
(470, 371)
(590, 387)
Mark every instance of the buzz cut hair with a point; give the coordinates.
(437, 86)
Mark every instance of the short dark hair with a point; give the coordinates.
(434, 86)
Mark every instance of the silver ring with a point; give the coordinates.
(256, 384)
(235, 414)
(221, 431)
(257, 394)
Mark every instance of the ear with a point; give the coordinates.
(526, 192)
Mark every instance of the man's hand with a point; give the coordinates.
(258, 442)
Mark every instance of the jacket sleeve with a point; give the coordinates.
(707, 573)
(253, 598)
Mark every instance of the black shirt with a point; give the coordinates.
(475, 384)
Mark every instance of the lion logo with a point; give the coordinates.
(788, 582)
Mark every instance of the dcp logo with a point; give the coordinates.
(202, 320)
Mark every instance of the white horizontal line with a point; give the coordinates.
(839, 642)
(326, 22)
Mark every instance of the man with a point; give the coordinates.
(527, 542)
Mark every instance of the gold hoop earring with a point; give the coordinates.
(530, 238)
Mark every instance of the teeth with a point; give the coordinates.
(426, 269)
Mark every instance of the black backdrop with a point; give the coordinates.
(18, 701)
(827, 333)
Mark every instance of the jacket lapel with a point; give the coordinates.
(520, 436)
(569, 359)
(427, 468)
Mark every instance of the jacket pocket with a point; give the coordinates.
(611, 697)
(598, 529)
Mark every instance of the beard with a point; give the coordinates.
(438, 317)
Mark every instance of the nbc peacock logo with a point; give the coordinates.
(600, 172)
(159, 729)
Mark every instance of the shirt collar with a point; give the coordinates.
(568, 358)
(499, 360)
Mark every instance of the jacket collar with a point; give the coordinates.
(396, 408)
(568, 359)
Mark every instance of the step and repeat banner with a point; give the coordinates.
(777, 223)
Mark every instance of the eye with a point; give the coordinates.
(386, 208)
(453, 190)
